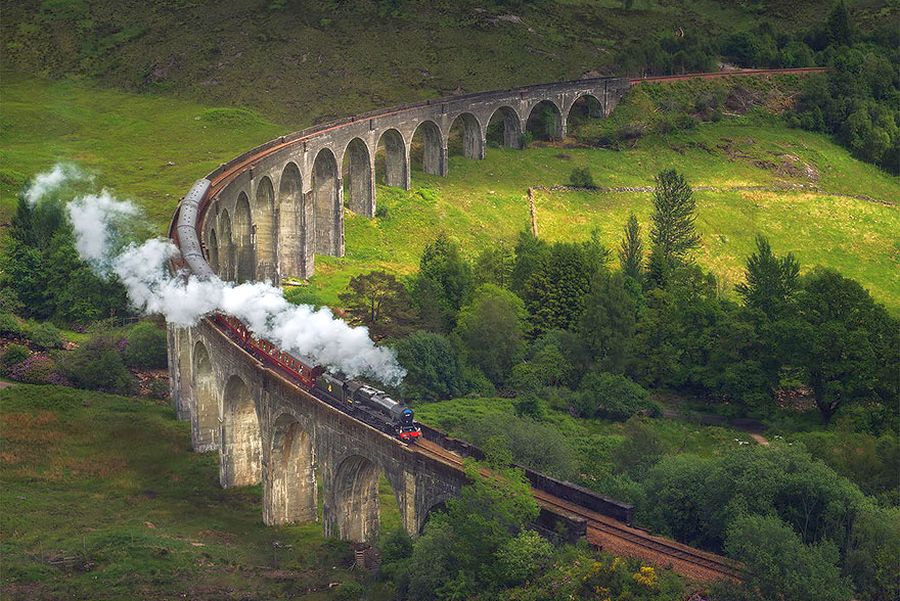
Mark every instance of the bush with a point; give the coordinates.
(350, 591)
(36, 369)
(382, 212)
(159, 388)
(45, 335)
(614, 397)
(581, 178)
(9, 325)
(14, 353)
(97, 365)
(146, 346)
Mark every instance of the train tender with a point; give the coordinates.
(357, 398)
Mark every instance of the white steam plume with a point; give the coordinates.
(48, 181)
(314, 334)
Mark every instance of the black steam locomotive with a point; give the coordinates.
(351, 396)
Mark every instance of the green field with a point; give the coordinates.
(128, 140)
(104, 500)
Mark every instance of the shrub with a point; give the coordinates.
(14, 353)
(45, 335)
(159, 388)
(613, 396)
(9, 325)
(350, 591)
(382, 212)
(97, 365)
(36, 369)
(526, 138)
(581, 178)
(146, 346)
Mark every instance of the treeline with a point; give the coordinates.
(556, 321)
(857, 101)
(43, 278)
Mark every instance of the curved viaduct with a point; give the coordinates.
(264, 216)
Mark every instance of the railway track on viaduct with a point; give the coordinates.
(290, 164)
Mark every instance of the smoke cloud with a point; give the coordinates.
(49, 181)
(315, 335)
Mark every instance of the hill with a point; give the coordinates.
(111, 504)
(300, 62)
(840, 220)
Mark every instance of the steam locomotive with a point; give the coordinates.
(370, 404)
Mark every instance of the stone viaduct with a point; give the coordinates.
(264, 216)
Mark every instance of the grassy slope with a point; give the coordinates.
(127, 140)
(299, 61)
(481, 202)
(112, 480)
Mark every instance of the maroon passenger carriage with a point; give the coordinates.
(361, 400)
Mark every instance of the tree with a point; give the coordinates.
(458, 555)
(772, 282)
(631, 253)
(613, 396)
(780, 566)
(607, 322)
(840, 26)
(672, 234)
(530, 253)
(555, 290)
(379, 301)
(492, 330)
(846, 343)
(433, 370)
(442, 263)
(495, 265)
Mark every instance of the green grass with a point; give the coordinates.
(481, 202)
(127, 140)
(110, 482)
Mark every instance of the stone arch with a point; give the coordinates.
(359, 178)
(212, 250)
(465, 137)
(585, 107)
(545, 121)
(289, 207)
(504, 128)
(245, 262)
(355, 501)
(290, 485)
(327, 209)
(265, 247)
(427, 148)
(392, 165)
(438, 507)
(205, 413)
(240, 457)
(226, 247)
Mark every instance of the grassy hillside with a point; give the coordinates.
(129, 140)
(302, 61)
(104, 500)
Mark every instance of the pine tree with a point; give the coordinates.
(631, 254)
(772, 281)
(673, 233)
